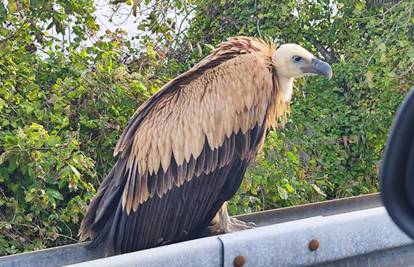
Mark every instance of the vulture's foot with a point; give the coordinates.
(235, 225)
(223, 223)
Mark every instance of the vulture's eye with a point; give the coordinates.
(297, 58)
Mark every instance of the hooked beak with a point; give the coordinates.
(319, 67)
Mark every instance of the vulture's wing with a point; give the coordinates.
(183, 154)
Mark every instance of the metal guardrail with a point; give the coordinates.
(341, 237)
(348, 231)
(57, 256)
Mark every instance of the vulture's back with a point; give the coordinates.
(185, 151)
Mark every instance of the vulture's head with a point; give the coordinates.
(292, 61)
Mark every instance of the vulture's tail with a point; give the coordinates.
(104, 208)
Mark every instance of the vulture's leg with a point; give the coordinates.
(223, 223)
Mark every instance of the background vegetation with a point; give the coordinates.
(66, 92)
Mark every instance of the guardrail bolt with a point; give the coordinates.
(239, 261)
(313, 245)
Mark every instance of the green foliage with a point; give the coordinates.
(63, 105)
(62, 109)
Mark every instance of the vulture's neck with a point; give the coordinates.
(286, 88)
(280, 106)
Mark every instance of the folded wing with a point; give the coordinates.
(183, 153)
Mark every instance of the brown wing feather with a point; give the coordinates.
(202, 110)
(197, 134)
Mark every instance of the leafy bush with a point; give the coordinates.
(62, 109)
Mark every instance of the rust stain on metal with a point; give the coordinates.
(313, 245)
(239, 261)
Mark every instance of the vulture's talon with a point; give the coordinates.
(241, 225)
(252, 224)
(230, 226)
(223, 223)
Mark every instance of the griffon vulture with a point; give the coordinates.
(184, 152)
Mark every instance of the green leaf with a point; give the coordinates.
(382, 47)
(289, 188)
(209, 47)
(3, 157)
(134, 7)
(2, 104)
(282, 193)
(53, 140)
(318, 190)
(75, 171)
(360, 6)
(54, 193)
(12, 6)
